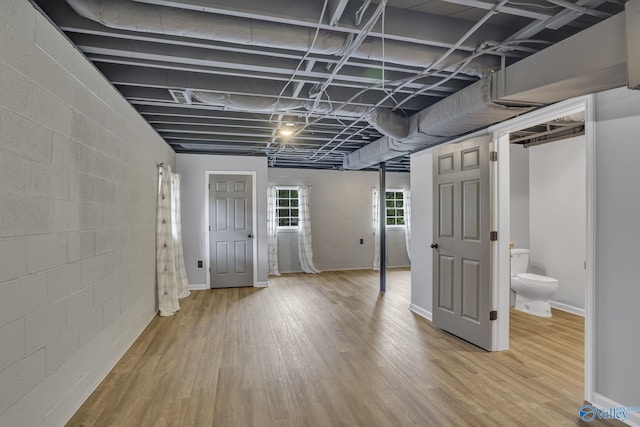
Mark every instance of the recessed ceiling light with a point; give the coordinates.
(290, 124)
(286, 132)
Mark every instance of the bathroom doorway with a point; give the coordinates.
(546, 216)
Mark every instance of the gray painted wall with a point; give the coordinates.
(558, 216)
(341, 215)
(422, 231)
(519, 194)
(78, 185)
(617, 250)
(193, 168)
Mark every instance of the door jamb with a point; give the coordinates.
(501, 284)
(254, 212)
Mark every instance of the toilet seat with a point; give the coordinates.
(537, 279)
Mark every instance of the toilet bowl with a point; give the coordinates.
(533, 291)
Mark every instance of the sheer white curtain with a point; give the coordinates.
(305, 251)
(406, 194)
(272, 231)
(376, 228)
(171, 275)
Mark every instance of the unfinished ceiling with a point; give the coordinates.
(305, 83)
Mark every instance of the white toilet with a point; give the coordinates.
(532, 290)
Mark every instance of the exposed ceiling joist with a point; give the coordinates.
(224, 76)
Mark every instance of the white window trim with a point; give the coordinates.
(396, 226)
(287, 228)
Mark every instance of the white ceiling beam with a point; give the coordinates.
(511, 10)
(336, 9)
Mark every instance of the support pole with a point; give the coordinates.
(383, 228)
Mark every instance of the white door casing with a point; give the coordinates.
(501, 284)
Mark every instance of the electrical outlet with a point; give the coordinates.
(199, 264)
(362, 241)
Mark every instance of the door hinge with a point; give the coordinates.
(493, 236)
(209, 228)
(493, 156)
(493, 315)
(209, 269)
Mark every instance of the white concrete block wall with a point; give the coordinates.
(77, 222)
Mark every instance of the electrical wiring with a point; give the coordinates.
(421, 75)
(304, 58)
(440, 60)
(413, 78)
(355, 44)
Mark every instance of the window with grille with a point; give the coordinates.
(394, 204)
(287, 212)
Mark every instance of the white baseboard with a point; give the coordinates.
(568, 308)
(602, 402)
(261, 285)
(203, 287)
(348, 269)
(421, 312)
(64, 409)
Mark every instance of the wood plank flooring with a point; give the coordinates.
(328, 350)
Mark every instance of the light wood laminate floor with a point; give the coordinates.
(328, 350)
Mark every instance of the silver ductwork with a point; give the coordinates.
(588, 62)
(465, 111)
(133, 16)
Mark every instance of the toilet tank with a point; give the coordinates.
(519, 261)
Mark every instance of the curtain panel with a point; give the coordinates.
(272, 231)
(305, 250)
(407, 220)
(171, 275)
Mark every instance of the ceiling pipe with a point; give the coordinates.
(141, 17)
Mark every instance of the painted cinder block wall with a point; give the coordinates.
(77, 222)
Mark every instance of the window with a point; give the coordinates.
(394, 203)
(287, 207)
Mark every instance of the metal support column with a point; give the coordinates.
(383, 228)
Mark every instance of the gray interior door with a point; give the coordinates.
(461, 269)
(231, 230)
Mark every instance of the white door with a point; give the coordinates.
(231, 230)
(461, 268)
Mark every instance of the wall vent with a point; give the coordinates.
(181, 96)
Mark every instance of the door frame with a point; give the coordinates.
(254, 213)
(501, 287)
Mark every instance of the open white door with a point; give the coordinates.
(461, 259)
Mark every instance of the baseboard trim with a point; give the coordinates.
(348, 269)
(568, 308)
(603, 402)
(261, 285)
(203, 287)
(91, 379)
(421, 312)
